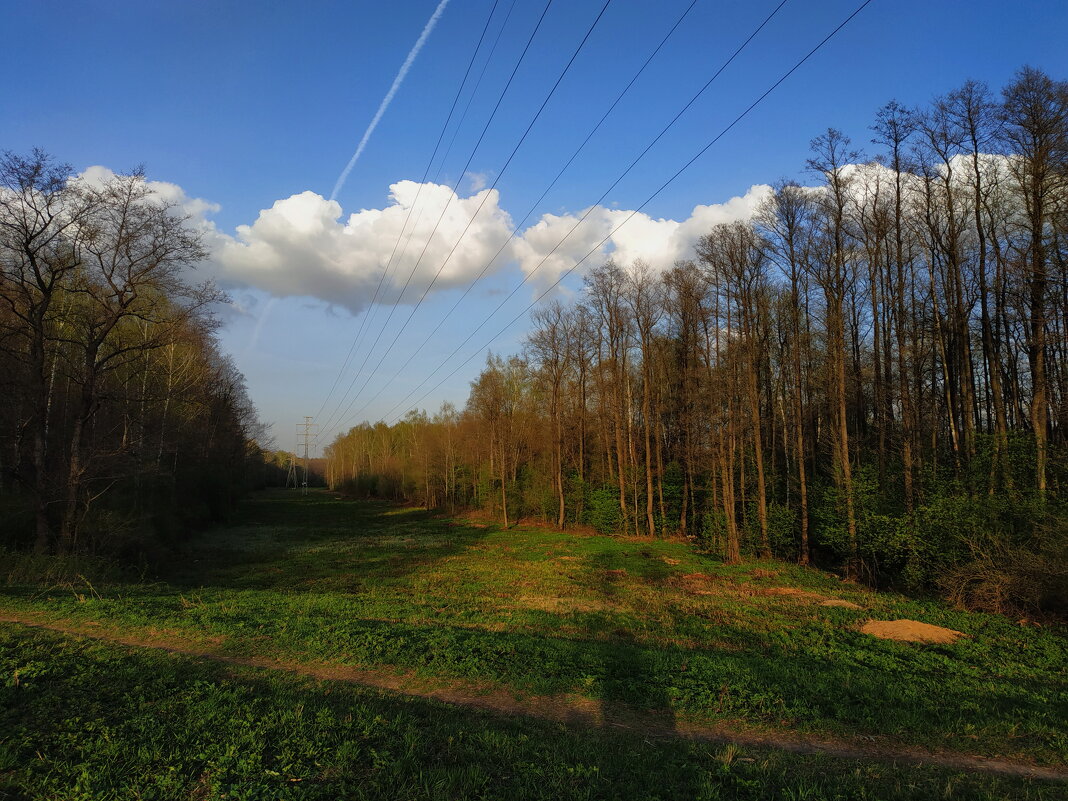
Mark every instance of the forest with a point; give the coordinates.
(122, 422)
(870, 375)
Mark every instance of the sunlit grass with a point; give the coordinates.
(645, 623)
(86, 721)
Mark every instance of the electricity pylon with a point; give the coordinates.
(291, 473)
(307, 430)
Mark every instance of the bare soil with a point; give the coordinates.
(546, 603)
(910, 631)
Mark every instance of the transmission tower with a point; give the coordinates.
(291, 473)
(307, 431)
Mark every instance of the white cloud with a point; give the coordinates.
(477, 181)
(196, 208)
(659, 242)
(303, 246)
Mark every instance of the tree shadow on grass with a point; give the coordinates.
(317, 543)
(626, 682)
(98, 720)
(872, 688)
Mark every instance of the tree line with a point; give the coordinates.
(870, 374)
(121, 419)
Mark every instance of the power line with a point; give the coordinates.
(485, 197)
(426, 172)
(470, 158)
(534, 206)
(474, 91)
(596, 203)
(600, 244)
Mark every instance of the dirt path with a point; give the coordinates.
(572, 709)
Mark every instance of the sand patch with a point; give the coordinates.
(910, 631)
(840, 603)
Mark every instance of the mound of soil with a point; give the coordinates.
(910, 631)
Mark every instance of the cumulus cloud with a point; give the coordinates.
(304, 245)
(623, 235)
(197, 208)
(301, 246)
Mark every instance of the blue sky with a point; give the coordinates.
(259, 106)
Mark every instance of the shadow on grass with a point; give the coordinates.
(90, 720)
(309, 549)
(761, 686)
(317, 542)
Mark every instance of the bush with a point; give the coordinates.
(713, 535)
(1016, 581)
(782, 524)
(602, 510)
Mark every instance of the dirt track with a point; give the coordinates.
(571, 709)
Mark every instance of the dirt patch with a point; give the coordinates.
(787, 592)
(575, 709)
(613, 574)
(700, 577)
(534, 524)
(704, 584)
(910, 631)
(698, 584)
(762, 573)
(561, 605)
(841, 603)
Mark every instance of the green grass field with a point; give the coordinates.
(633, 632)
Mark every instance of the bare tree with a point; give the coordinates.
(643, 294)
(1035, 117)
(40, 217)
(786, 221)
(832, 156)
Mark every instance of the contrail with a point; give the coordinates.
(255, 340)
(389, 95)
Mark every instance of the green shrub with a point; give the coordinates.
(602, 510)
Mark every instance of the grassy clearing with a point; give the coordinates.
(82, 720)
(647, 624)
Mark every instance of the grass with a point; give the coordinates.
(643, 624)
(87, 721)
